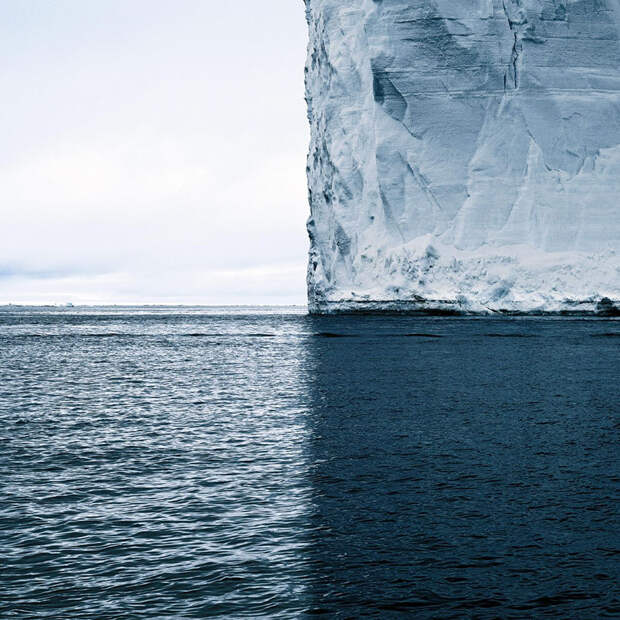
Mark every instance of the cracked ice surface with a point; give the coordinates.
(464, 153)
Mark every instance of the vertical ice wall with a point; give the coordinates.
(464, 154)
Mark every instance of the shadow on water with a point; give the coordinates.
(468, 474)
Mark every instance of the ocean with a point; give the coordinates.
(258, 462)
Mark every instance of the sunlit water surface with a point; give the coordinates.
(257, 462)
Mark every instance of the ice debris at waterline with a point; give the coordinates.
(465, 156)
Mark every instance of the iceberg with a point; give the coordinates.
(464, 156)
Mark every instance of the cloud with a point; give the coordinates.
(259, 285)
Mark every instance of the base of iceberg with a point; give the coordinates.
(427, 277)
(445, 307)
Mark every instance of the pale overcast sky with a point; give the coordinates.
(153, 151)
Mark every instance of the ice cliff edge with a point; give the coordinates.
(464, 156)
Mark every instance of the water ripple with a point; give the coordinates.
(189, 463)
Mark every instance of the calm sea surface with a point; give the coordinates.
(193, 462)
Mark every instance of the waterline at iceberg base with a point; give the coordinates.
(464, 157)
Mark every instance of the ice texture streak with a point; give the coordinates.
(465, 155)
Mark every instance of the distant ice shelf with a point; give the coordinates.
(464, 156)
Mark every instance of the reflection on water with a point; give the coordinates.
(152, 464)
(192, 463)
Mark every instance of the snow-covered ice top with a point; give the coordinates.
(464, 154)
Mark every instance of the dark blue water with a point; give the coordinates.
(200, 462)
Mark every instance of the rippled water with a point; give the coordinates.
(262, 463)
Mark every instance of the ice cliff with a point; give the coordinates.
(465, 155)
